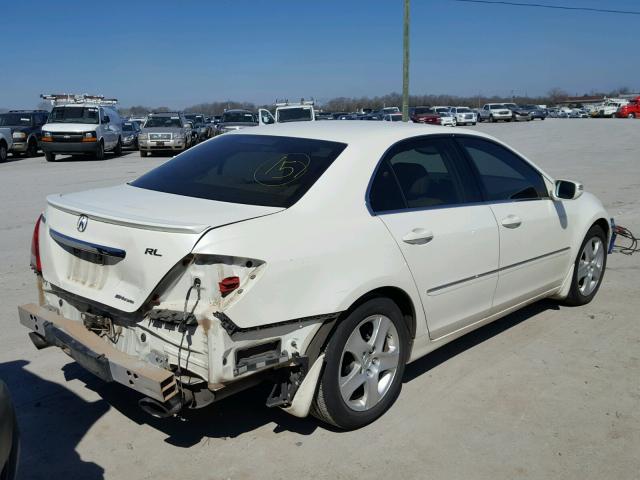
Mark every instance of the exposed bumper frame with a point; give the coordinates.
(96, 355)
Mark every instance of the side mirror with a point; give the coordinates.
(567, 190)
(106, 119)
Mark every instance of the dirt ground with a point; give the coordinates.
(547, 392)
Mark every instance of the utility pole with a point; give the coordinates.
(405, 64)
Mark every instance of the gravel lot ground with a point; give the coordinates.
(548, 392)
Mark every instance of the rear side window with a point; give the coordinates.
(503, 174)
(385, 194)
(426, 172)
(251, 169)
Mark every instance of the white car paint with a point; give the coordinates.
(460, 266)
(464, 115)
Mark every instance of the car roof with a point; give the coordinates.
(362, 134)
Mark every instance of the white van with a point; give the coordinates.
(81, 125)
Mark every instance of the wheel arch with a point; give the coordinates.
(395, 294)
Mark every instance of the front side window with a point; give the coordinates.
(15, 119)
(503, 174)
(251, 169)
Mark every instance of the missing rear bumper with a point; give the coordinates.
(96, 355)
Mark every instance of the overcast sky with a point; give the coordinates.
(180, 53)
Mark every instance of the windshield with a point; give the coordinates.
(250, 169)
(163, 121)
(395, 118)
(74, 115)
(294, 114)
(390, 109)
(238, 117)
(496, 107)
(442, 109)
(127, 127)
(463, 110)
(13, 119)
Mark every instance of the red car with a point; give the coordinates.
(630, 110)
(424, 115)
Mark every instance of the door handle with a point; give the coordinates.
(511, 221)
(418, 236)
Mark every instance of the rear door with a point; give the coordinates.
(430, 203)
(534, 230)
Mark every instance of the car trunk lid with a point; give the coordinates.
(114, 245)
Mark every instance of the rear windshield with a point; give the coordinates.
(294, 114)
(250, 169)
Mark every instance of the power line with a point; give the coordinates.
(554, 7)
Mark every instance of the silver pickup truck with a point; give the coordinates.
(6, 142)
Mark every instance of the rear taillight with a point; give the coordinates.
(36, 265)
(228, 285)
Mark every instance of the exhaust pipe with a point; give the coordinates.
(167, 409)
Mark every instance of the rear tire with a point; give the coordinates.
(370, 349)
(4, 153)
(118, 150)
(588, 268)
(51, 157)
(143, 153)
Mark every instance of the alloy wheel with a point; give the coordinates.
(369, 362)
(590, 266)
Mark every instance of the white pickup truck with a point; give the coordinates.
(610, 107)
(6, 141)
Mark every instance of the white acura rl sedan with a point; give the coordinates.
(319, 257)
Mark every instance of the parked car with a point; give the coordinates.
(424, 115)
(6, 142)
(534, 111)
(204, 264)
(26, 129)
(200, 127)
(464, 115)
(447, 119)
(518, 114)
(392, 117)
(165, 131)
(630, 110)
(494, 112)
(236, 119)
(82, 126)
(9, 436)
(130, 132)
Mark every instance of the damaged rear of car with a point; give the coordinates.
(162, 284)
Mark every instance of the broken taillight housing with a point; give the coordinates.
(36, 265)
(228, 285)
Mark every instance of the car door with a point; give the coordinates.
(534, 230)
(105, 129)
(427, 198)
(265, 117)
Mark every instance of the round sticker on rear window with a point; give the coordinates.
(283, 171)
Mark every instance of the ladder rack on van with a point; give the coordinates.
(302, 102)
(71, 98)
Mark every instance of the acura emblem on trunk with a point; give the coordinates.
(82, 223)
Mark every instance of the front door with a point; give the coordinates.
(534, 230)
(429, 202)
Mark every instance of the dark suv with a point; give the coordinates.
(26, 129)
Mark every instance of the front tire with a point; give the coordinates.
(100, 151)
(50, 157)
(143, 153)
(589, 267)
(32, 148)
(118, 150)
(4, 152)
(364, 364)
